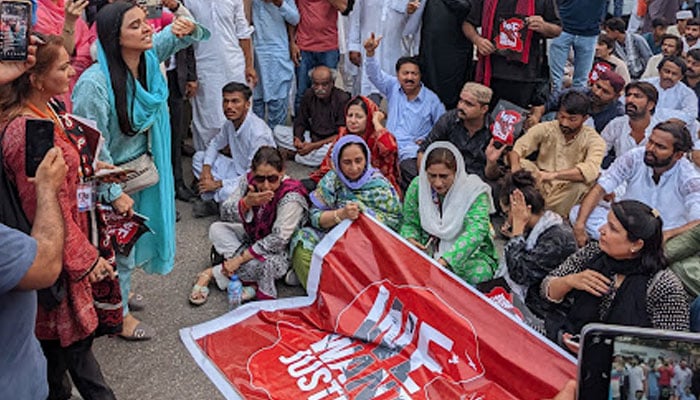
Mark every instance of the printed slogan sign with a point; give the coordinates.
(381, 321)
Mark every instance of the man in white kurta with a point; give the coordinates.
(385, 18)
(230, 153)
(227, 56)
(676, 100)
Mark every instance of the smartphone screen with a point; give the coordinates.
(619, 363)
(39, 140)
(15, 24)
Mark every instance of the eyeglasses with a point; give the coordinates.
(263, 178)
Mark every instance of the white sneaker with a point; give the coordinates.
(291, 279)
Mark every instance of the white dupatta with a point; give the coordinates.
(448, 225)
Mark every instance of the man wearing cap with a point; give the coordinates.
(676, 100)
(682, 18)
(467, 127)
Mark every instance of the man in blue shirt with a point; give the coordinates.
(413, 109)
(27, 264)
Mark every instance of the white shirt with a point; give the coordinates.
(687, 47)
(678, 101)
(676, 196)
(244, 142)
(617, 135)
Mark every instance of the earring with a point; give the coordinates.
(633, 250)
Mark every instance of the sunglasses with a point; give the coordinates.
(263, 178)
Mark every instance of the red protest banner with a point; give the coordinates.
(382, 321)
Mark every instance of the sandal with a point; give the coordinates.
(199, 294)
(141, 332)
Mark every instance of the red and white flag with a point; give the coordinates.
(382, 321)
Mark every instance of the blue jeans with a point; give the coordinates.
(309, 61)
(276, 111)
(617, 8)
(584, 51)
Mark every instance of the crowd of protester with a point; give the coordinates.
(572, 129)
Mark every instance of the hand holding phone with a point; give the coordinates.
(15, 28)
(38, 140)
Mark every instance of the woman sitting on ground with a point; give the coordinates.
(351, 188)
(541, 239)
(363, 118)
(446, 214)
(623, 279)
(258, 222)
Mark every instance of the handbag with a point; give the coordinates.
(141, 173)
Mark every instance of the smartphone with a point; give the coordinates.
(154, 8)
(611, 354)
(39, 140)
(15, 27)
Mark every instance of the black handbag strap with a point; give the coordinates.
(11, 212)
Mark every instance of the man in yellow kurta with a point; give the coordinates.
(570, 154)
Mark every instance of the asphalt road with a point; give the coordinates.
(162, 368)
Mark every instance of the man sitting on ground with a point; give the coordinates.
(670, 46)
(658, 175)
(569, 154)
(467, 127)
(676, 100)
(691, 36)
(692, 74)
(230, 152)
(321, 113)
(629, 46)
(413, 109)
(632, 129)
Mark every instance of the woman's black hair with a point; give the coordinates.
(357, 101)
(109, 22)
(642, 222)
(268, 155)
(525, 182)
(441, 155)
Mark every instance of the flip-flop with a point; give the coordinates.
(136, 302)
(203, 292)
(141, 332)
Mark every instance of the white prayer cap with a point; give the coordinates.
(684, 14)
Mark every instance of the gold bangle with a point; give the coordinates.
(336, 218)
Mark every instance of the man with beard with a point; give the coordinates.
(604, 93)
(230, 152)
(632, 129)
(676, 100)
(413, 109)
(658, 175)
(569, 154)
(671, 45)
(691, 36)
(692, 73)
(321, 113)
(467, 127)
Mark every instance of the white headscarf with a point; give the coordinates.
(449, 224)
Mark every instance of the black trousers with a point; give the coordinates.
(178, 125)
(78, 360)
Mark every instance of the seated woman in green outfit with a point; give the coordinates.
(352, 187)
(446, 214)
